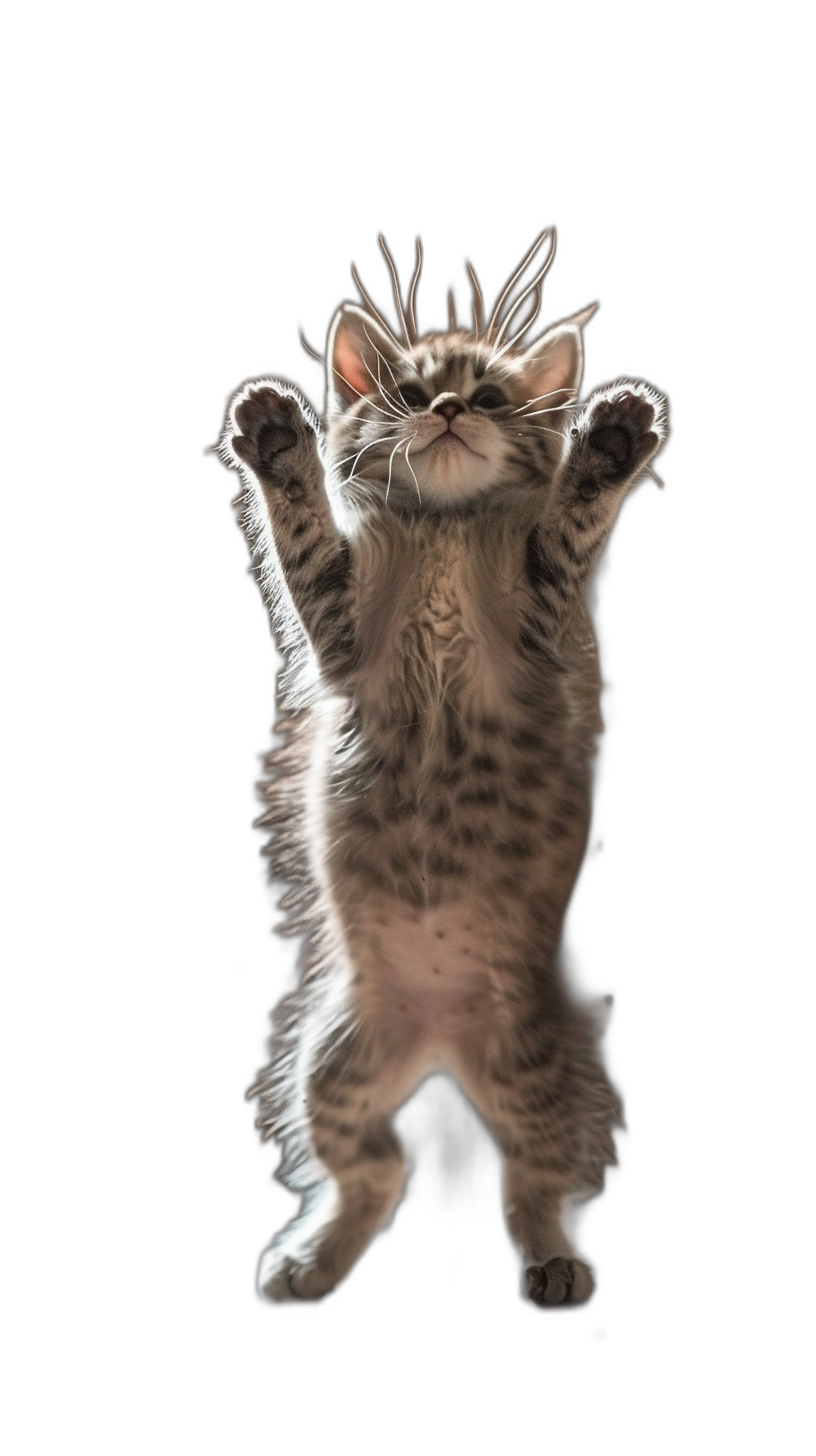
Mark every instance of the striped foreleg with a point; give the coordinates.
(274, 438)
(611, 441)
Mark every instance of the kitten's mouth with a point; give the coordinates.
(450, 439)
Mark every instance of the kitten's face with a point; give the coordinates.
(447, 421)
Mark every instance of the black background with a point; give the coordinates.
(245, 275)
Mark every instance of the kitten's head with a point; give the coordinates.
(446, 420)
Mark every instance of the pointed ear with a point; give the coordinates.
(355, 340)
(553, 365)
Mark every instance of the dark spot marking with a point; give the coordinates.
(527, 776)
(305, 554)
(524, 738)
(451, 776)
(334, 576)
(556, 829)
(454, 741)
(569, 550)
(540, 567)
(484, 763)
(528, 641)
(522, 811)
(363, 820)
(517, 848)
(442, 864)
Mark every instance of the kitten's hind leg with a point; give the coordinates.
(547, 1099)
(342, 1154)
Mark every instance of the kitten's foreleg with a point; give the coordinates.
(611, 441)
(274, 438)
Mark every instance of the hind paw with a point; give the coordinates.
(282, 1278)
(559, 1281)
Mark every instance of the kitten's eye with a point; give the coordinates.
(413, 396)
(489, 398)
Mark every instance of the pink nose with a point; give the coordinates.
(450, 408)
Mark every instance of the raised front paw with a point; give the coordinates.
(269, 431)
(617, 433)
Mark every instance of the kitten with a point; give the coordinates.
(425, 556)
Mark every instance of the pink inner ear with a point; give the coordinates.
(349, 366)
(554, 366)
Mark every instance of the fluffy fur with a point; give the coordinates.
(425, 556)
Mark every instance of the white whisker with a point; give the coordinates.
(537, 397)
(390, 465)
(397, 410)
(366, 397)
(381, 440)
(375, 379)
(410, 466)
(553, 409)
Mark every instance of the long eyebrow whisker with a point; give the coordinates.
(534, 285)
(395, 283)
(534, 312)
(514, 279)
(309, 350)
(373, 310)
(412, 292)
(477, 300)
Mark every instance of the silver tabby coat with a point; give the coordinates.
(425, 554)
